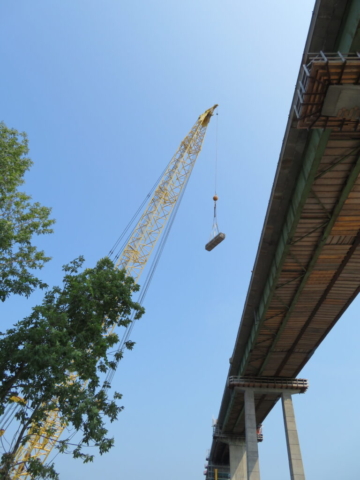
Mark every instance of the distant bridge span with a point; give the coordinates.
(307, 269)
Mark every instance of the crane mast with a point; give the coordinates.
(133, 259)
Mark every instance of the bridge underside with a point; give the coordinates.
(317, 277)
(307, 270)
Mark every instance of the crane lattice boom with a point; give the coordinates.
(148, 230)
(133, 259)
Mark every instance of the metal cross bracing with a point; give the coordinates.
(133, 259)
(322, 236)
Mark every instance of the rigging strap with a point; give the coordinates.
(215, 227)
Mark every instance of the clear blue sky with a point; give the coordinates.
(106, 90)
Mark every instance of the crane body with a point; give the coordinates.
(133, 259)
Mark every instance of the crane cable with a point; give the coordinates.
(149, 277)
(215, 228)
(11, 410)
(216, 148)
(9, 415)
(116, 244)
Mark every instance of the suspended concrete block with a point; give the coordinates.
(215, 242)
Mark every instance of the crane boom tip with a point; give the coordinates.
(205, 117)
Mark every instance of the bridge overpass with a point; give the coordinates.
(307, 268)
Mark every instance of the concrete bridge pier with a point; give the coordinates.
(252, 451)
(250, 386)
(237, 449)
(292, 439)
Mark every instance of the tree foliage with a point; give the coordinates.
(20, 219)
(54, 359)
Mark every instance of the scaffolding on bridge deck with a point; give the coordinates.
(319, 73)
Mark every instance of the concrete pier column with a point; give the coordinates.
(238, 470)
(252, 452)
(292, 439)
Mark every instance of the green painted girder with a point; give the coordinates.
(312, 157)
(349, 38)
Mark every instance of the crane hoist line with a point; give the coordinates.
(133, 257)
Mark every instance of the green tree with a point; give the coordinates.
(55, 358)
(20, 219)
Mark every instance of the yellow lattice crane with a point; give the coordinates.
(133, 259)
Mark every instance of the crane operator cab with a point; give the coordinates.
(216, 236)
